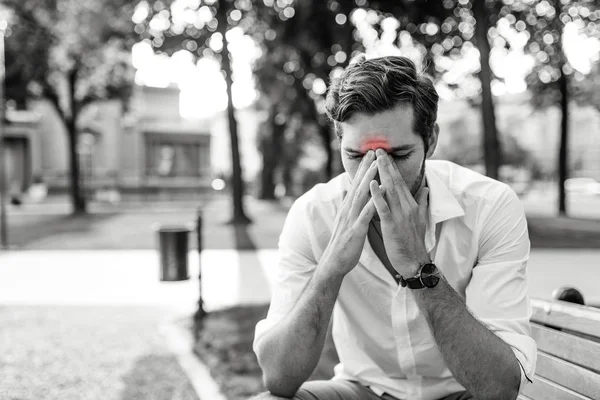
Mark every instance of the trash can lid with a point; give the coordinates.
(172, 228)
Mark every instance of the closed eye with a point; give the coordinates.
(394, 156)
(355, 156)
(401, 156)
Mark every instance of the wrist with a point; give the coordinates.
(331, 269)
(411, 268)
(418, 263)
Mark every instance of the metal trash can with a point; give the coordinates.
(173, 252)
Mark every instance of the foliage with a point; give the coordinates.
(21, 45)
(296, 65)
(91, 37)
(543, 25)
(586, 90)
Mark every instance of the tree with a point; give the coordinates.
(551, 77)
(446, 30)
(22, 43)
(296, 65)
(203, 28)
(87, 59)
(491, 144)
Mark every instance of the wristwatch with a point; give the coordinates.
(427, 277)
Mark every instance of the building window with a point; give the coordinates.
(173, 156)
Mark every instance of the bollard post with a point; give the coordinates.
(200, 313)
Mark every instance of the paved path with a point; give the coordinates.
(131, 277)
(229, 277)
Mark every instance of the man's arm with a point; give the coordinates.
(289, 351)
(478, 359)
(484, 358)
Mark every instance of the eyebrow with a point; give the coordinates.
(391, 150)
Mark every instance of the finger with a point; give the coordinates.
(348, 195)
(366, 162)
(367, 213)
(404, 190)
(399, 183)
(392, 190)
(380, 204)
(361, 197)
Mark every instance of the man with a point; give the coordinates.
(423, 262)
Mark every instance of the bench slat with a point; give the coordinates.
(565, 315)
(542, 389)
(568, 347)
(578, 379)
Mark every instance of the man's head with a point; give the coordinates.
(385, 103)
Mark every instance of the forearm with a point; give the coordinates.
(479, 360)
(290, 351)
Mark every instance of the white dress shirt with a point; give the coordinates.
(476, 235)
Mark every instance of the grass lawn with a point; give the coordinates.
(224, 343)
(564, 233)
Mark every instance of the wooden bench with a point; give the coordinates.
(568, 340)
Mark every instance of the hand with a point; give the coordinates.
(352, 220)
(403, 220)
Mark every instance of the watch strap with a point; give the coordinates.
(412, 283)
(416, 282)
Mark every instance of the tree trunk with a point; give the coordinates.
(325, 132)
(77, 198)
(563, 87)
(271, 153)
(239, 216)
(491, 146)
(563, 153)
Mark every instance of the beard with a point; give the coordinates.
(419, 181)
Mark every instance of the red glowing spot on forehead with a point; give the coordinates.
(374, 143)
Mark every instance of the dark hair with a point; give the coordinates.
(380, 84)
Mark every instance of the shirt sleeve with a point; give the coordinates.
(497, 292)
(295, 267)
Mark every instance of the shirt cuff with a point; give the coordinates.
(525, 350)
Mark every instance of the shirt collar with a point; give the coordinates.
(442, 203)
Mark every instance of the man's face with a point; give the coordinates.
(392, 131)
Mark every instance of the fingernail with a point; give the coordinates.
(380, 153)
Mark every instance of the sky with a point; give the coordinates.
(203, 87)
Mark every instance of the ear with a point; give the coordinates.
(433, 140)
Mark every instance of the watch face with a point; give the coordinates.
(430, 275)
